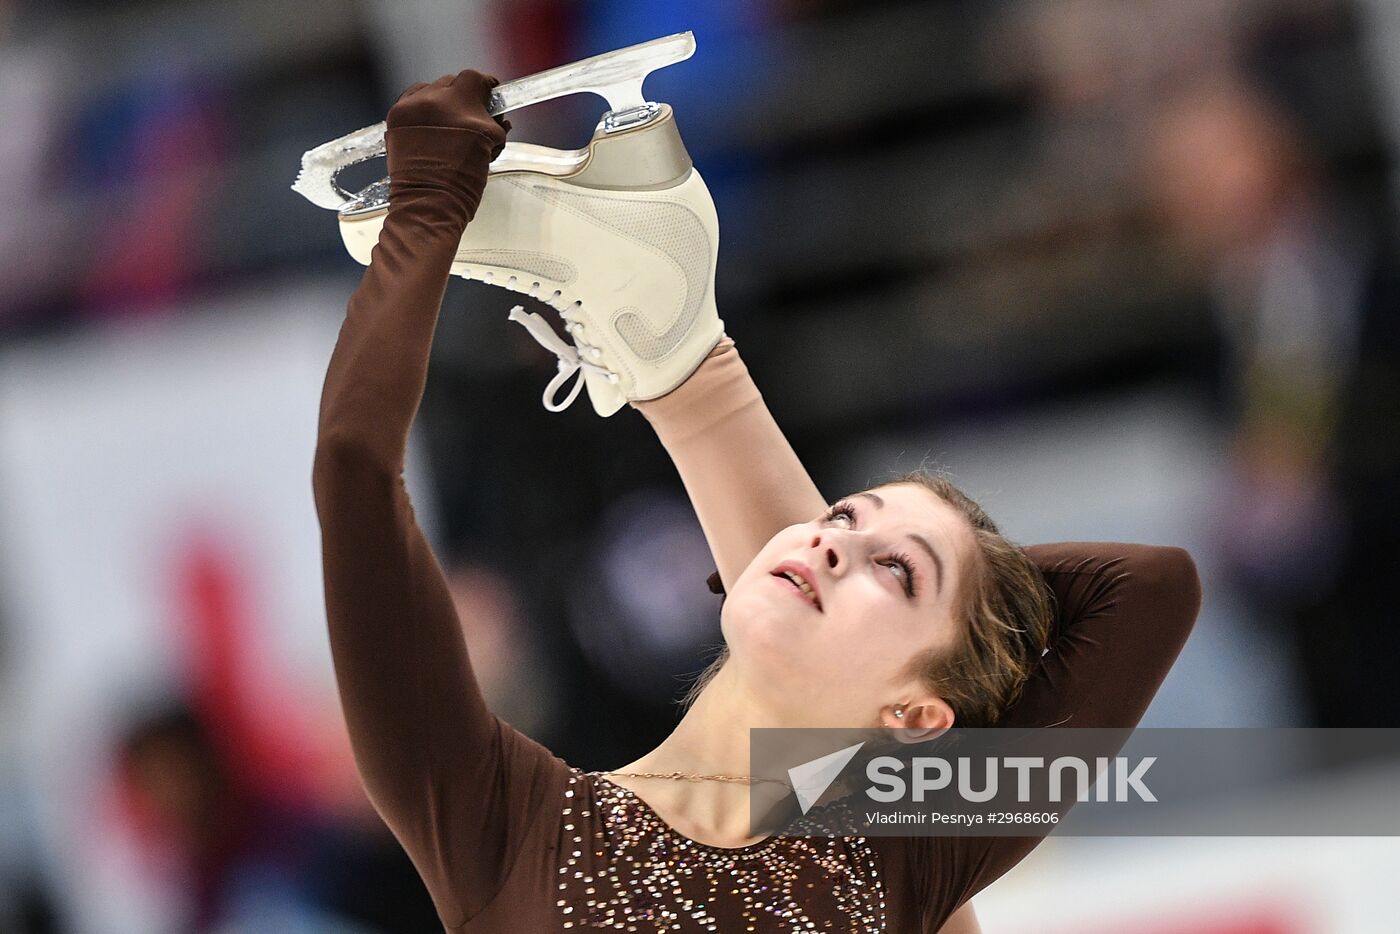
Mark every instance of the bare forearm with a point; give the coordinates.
(743, 477)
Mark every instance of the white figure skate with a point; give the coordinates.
(620, 237)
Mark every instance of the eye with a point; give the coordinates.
(905, 564)
(840, 510)
(901, 561)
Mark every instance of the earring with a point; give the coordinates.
(899, 712)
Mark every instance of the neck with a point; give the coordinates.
(713, 736)
(711, 739)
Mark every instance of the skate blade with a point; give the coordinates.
(616, 76)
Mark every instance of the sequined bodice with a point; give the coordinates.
(624, 869)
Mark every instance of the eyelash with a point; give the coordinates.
(911, 577)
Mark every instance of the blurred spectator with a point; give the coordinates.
(1303, 290)
(200, 833)
(154, 146)
(513, 675)
(34, 232)
(233, 860)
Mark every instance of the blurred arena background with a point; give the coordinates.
(1126, 267)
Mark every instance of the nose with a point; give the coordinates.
(822, 544)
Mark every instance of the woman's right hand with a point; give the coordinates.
(440, 140)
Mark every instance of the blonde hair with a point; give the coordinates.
(1003, 611)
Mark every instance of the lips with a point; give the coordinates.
(804, 572)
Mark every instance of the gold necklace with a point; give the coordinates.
(682, 776)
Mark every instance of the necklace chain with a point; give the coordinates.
(683, 776)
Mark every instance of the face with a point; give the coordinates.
(884, 566)
(1218, 166)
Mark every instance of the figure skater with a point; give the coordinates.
(900, 606)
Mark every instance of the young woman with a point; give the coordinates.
(912, 611)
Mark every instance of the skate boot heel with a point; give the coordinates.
(651, 156)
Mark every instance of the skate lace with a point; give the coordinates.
(571, 360)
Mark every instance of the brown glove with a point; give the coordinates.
(440, 140)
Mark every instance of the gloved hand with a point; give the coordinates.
(440, 140)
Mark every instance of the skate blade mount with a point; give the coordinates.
(616, 76)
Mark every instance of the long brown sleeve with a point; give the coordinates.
(1123, 614)
(457, 786)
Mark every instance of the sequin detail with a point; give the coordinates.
(624, 869)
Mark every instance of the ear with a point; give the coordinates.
(929, 720)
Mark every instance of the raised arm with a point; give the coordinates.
(432, 757)
(743, 478)
(1123, 613)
